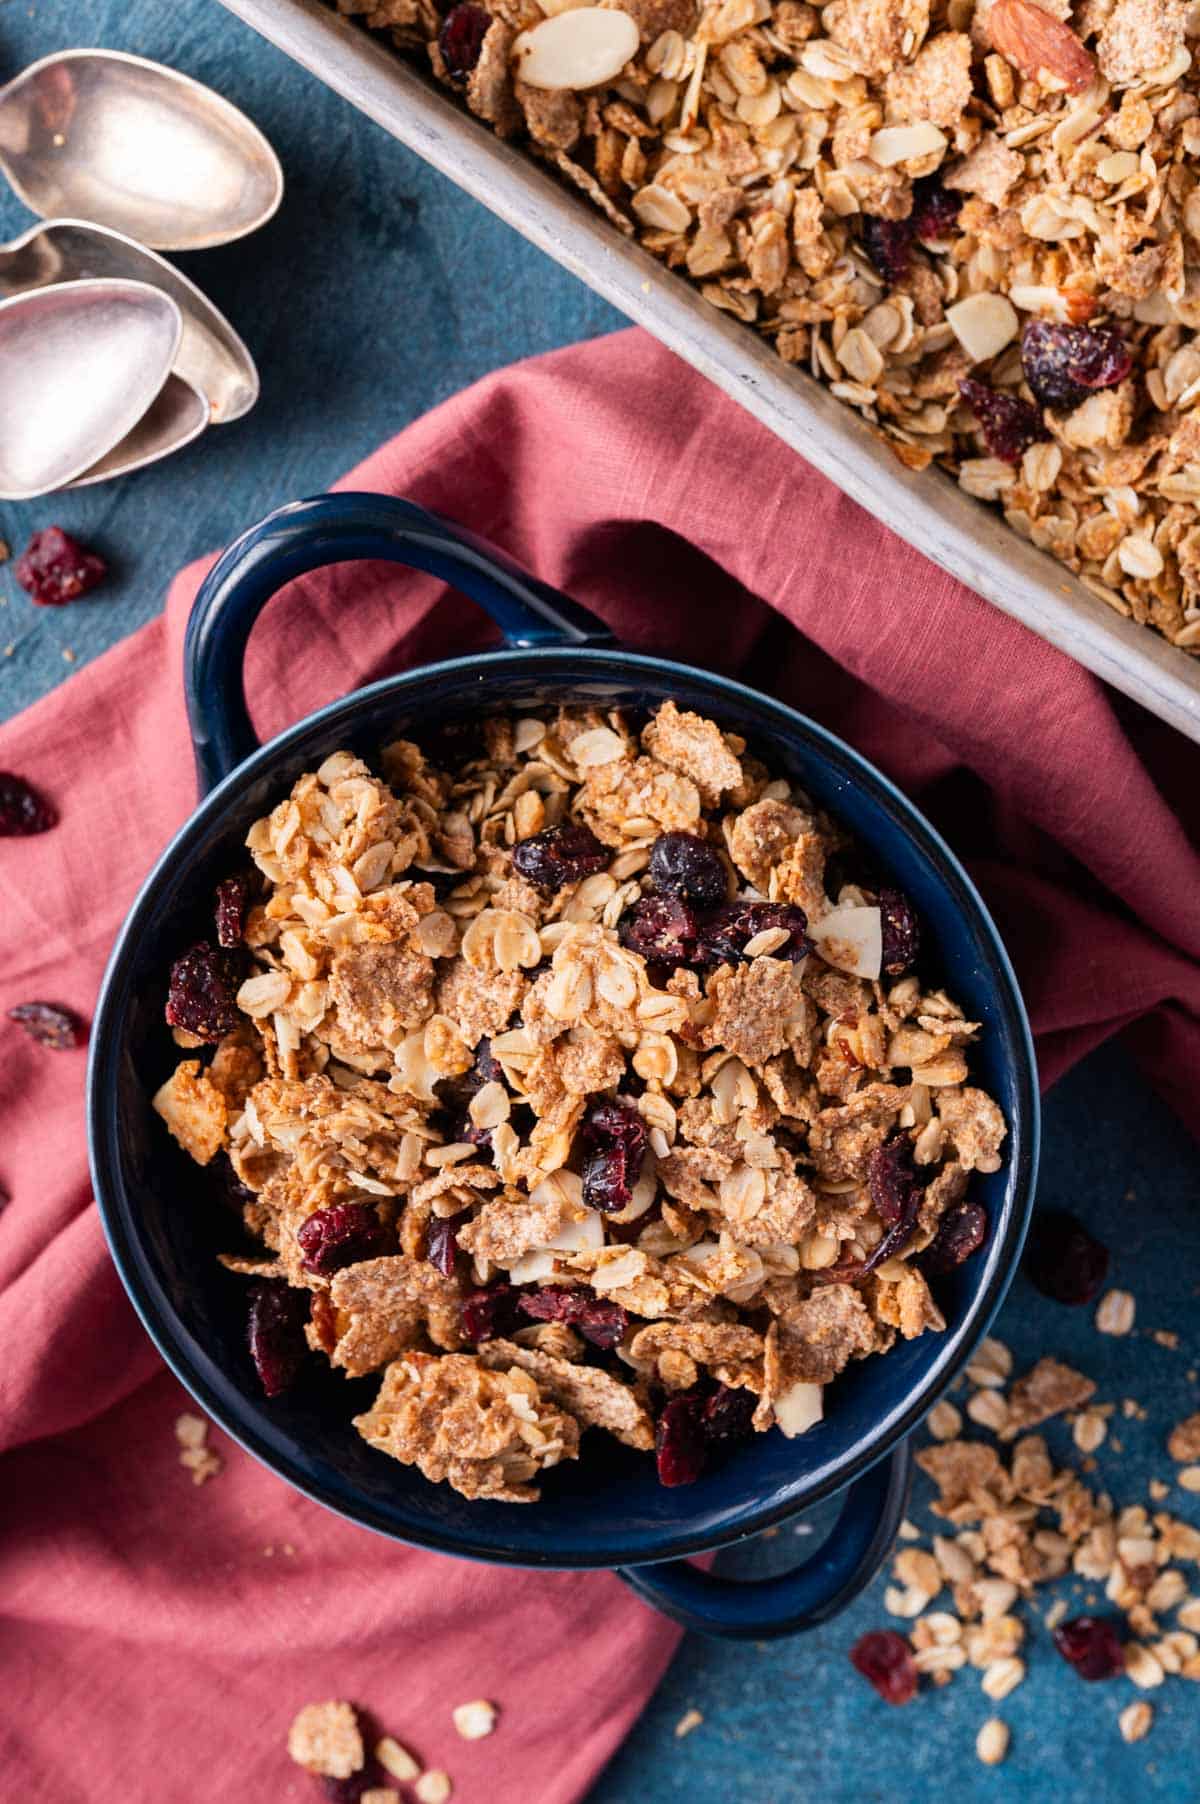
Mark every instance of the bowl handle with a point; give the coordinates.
(760, 1609)
(332, 529)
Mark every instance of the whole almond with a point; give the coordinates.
(1040, 46)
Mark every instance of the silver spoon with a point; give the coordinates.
(80, 365)
(130, 144)
(211, 356)
(177, 415)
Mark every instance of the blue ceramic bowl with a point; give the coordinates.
(164, 1226)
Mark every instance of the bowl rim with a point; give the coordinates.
(239, 1417)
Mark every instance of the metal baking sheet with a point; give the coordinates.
(928, 509)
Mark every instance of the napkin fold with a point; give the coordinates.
(160, 1636)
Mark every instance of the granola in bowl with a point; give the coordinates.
(976, 221)
(582, 1076)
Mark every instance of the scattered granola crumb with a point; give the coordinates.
(909, 1531)
(192, 1434)
(1166, 1337)
(325, 1739)
(69, 655)
(1183, 1444)
(1158, 1490)
(1115, 1312)
(475, 1720)
(433, 1787)
(1135, 1720)
(1089, 1430)
(691, 1719)
(991, 1743)
(1189, 1478)
(945, 1422)
(396, 1760)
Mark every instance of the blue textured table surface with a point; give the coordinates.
(378, 291)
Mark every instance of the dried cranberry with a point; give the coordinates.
(901, 934)
(487, 1314)
(935, 209)
(601, 1322)
(201, 994)
(728, 1415)
(441, 1242)
(232, 904)
(615, 1136)
(892, 1177)
(961, 1232)
(888, 243)
(1064, 1261)
(55, 568)
(1009, 424)
(1064, 364)
(1092, 1645)
(276, 1332)
(683, 864)
(22, 809)
(661, 929)
(679, 1444)
(338, 1236)
(725, 932)
(461, 40)
(885, 1658)
(49, 1025)
(560, 854)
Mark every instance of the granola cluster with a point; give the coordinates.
(903, 196)
(577, 1079)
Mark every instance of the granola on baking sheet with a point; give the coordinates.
(550, 1104)
(977, 221)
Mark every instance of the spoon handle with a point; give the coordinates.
(334, 529)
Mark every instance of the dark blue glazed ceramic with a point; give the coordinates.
(164, 1225)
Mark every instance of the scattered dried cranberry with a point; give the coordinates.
(339, 1236)
(885, 1658)
(201, 994)
(1064, 1261)
(935, 209)
(1064, 364)
(22, 810)
(1009, 424)
(682, 864)
(679, 1444)
(892, 1177)
(560, 854)
(888, 243)
(1093, 1646)
(276, 1332)
(961, 1232)
(603, 1323)
(662, 929)
(615, 1136)
(726, 931)
(901, 934)
(728, 1415)
(232, 904)
(487, 1314)
(55, 568)
(461, 39)
(49, 1025)
(441, 1242)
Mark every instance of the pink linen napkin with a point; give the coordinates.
(158, 1637)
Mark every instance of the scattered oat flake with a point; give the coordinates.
(194, 1454)
(1115, 1312)
(1135, 1720)
(433, 1787)
(325, 1739)
(395, 1759)
(991, 1743)
(691, 1719)
(475, 1720)
(1189, 1478)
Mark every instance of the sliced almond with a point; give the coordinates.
(850, 939)
(983, 324)
(576, 50)
(799, 1408)
(905, 143)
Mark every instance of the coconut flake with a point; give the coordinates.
(579, 49)
(850, 939)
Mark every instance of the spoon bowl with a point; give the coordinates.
(104, 136)
(211, 357)
(80, 364)
(177, 415)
